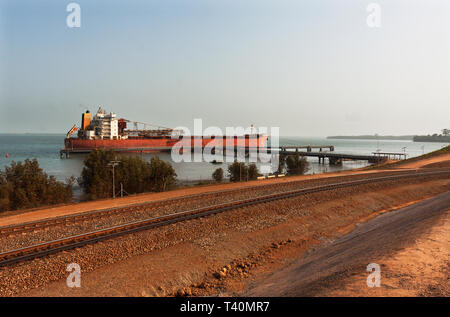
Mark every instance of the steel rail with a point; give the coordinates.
(99, 213)
(46, 248)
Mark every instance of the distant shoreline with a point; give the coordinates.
(432, 138)
(373, 137)
(32, 134)
(414, 138)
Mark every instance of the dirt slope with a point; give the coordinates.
(324, 272)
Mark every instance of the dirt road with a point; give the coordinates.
(324, 271)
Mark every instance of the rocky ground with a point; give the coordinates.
(238, 251)
(20, 216)
(419, 269)
(410, 246)
(177, 204)
(214, 255)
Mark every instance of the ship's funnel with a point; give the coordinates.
(85, 120)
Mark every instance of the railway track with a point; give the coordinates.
(50, 247)
(178, 201)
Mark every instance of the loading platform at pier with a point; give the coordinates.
(333, 157)
(337, 158)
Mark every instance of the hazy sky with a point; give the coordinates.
(313, 68)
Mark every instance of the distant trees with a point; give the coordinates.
(239, 171)
(96, 178)
(217, 175)
(296, 165)
(25, 185)
(253, 171)
(5, 190)
(293, 164)
(135, 174)
(162, 175)
(444, 137)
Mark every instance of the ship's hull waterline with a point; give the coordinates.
(157, 144)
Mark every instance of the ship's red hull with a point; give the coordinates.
(150, 144)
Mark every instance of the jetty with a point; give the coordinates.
(337, 158)
(333, 157)
(322, 152)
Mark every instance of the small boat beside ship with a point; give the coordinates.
(107, 131)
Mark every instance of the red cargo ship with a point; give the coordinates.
(105, 131)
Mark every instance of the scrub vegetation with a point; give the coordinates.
(132, 172)
(25, 185)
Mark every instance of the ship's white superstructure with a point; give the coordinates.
(105, 125)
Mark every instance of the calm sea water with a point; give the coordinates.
(46, 148)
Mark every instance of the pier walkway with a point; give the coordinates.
(325, 152)
(337, 158)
